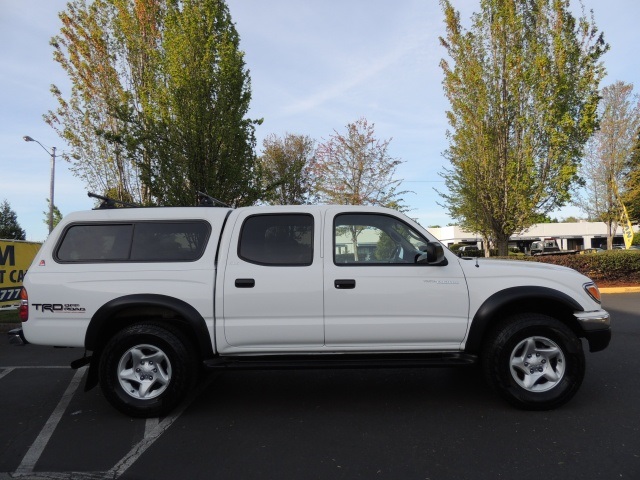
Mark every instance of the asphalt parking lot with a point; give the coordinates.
(394, 424)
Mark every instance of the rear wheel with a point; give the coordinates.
(146, 370)
(534, 361)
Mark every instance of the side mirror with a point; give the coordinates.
(433, 255)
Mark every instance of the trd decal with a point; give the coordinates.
(59, 307)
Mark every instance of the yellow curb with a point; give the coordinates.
(620, 290)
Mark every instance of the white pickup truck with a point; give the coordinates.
(154, 295)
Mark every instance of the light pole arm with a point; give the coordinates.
(27, 138)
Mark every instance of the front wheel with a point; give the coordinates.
(146, 370)
(534, 361)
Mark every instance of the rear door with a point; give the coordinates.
(272, 283)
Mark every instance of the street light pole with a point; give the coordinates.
(51, 186)
(52, 153)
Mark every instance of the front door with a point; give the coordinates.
(377, 296)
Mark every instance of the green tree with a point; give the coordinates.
(609, 156)
(356, 168)
(9, 226)
(205, 95)
(57, 215)
(285, 168)
(158, 101)
(107, 68)
(385, 247)
(522, 84)
(631, 196)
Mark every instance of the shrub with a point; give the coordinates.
(9, 316)
(615, 266)
(455, 247)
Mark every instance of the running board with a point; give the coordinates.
(272, 362)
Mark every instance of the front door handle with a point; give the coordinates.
(344, 284)
(245, 283)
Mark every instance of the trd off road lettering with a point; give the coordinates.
(57, 307)
(155, 294)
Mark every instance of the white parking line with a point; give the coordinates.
(154, 428)
(27, 367)
(152, 435)
(55, 476)
(33, 454)
(149, 426)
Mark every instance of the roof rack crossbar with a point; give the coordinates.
(106, 202)
(205, 200)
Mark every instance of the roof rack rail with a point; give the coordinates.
(205, 200)
(106, 202)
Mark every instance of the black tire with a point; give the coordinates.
(147, 369)
(534, 361)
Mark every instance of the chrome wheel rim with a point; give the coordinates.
(144, 372)
(537, 364)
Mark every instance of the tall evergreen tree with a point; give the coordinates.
(205, 98)
(9, 226)
(522, 83)
(159, 99)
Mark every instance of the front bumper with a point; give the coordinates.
(596, 326)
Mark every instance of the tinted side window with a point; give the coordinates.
(137, 242)
(277, 240)
(96, 243)
(169, 242)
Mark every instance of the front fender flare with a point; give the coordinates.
(489, 311)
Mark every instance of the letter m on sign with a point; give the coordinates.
(7, 254)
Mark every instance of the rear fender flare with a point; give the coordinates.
(95, 338)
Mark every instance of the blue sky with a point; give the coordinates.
(315, 66)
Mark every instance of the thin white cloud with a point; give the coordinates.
(338, 89)
(412, 44)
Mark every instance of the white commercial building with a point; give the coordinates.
(570, 236)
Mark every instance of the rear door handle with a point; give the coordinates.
(344, 284)
(245, 283)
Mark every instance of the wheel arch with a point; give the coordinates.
(127, 310)
(514, 300)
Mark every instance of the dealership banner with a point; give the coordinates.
(627, 230)
(15, 258)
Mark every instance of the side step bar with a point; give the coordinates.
(272, 362)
